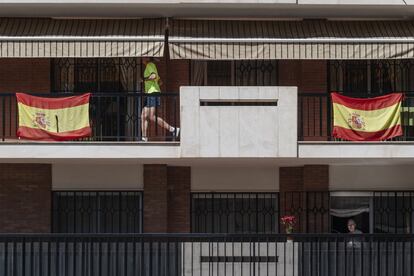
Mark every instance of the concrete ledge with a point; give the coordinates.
(355, 150)
(72, 150)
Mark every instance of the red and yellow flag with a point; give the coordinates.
(373, 119)
(53, 119)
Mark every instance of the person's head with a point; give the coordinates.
(351, 225)
(146, 60)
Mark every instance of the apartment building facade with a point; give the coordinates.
(249, 85)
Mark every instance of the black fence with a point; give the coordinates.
(206, 254)
(315, 118)
(113, 116)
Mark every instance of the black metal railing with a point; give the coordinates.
(315, 117)
(206, 254)
(113, 116)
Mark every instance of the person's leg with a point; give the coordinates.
(144, 121)
(160, 121)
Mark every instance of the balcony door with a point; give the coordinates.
(114, 112)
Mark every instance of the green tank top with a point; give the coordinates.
(151, 86)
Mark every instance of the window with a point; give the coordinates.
(234, 213)
(97, 212)
(234, 73)
(394, 212)
(351, 206)
(371, 77)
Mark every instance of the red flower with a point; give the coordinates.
(289, 222)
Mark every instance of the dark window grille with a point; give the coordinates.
(97, 212)
(372, 77)
(114, 113)
(310, 208)
(234, 212)
(255, 73)
(235, 73)
(394, 212)
(219, 73)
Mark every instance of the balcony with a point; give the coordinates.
(113, 116)
(206, 254)
(315, 117)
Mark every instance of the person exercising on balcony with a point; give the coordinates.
(152, 89)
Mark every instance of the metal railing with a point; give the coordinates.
(206, 254)
(315, 117)
(113, 116)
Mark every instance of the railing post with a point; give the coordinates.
(329, 117)
(3, 118)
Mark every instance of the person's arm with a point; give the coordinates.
(152, 76)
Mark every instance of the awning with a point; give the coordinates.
(33, 38)
(308, 39)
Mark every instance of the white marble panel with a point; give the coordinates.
(249, 92)
(209, 92)
(228, 93)
(209, 131)
(229, 132)
(250, 131)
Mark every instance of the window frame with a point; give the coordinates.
(56, 228)
(236, 195)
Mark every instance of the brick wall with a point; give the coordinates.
(307, 75)
(179, 188)
(21, 75)
(303, 193)
(167, 199)
(155, 199)
(25, 75)
(25, 198)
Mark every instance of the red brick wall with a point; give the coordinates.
(155, 199)
(166, 199)
(25, 75)
(21, 75)
(25, 198)
(307, 75)
(316, 178)
(179, 187)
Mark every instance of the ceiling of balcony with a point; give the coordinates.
(204, 10)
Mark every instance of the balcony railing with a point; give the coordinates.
(206, 254)
(113, 116)
(316, 118)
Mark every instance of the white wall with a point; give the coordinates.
(97, 177)
(371, 178)
(238, 131)
(237, 179)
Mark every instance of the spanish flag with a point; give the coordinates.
(53, 119)
(373, 119)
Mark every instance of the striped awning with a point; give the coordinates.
(308, 39)
(46, 38)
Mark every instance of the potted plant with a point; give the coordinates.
(289, 222)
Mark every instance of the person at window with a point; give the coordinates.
(152, 83)
(355, 242)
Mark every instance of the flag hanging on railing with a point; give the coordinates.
(373, 119)
(53, 119)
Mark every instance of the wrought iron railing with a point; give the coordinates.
(206, 254)
(315, 117)
(113, 116)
